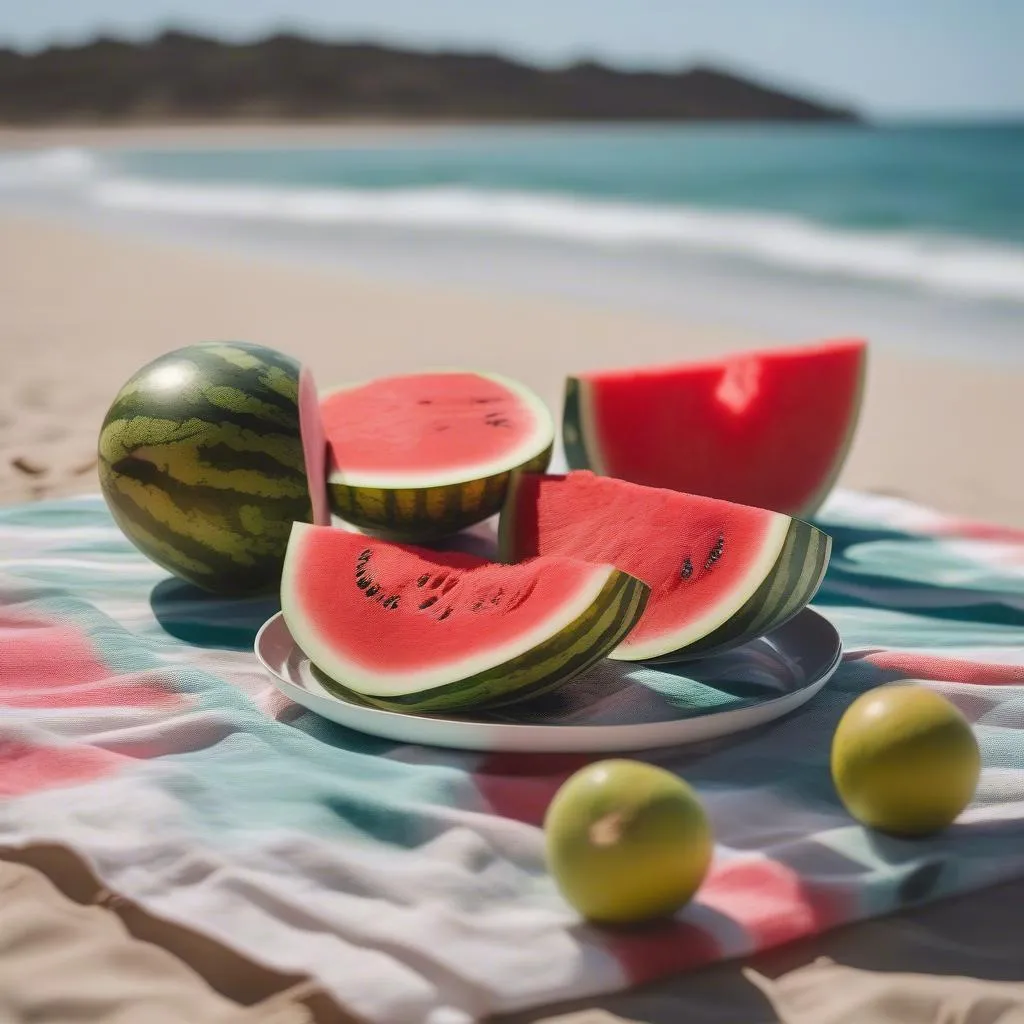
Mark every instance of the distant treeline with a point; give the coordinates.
(182, 76)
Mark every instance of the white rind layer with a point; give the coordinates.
(632, 649)
(542, 435)
(367, 680)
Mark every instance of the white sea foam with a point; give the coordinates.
(62, 165)
(952, 264)
(946, 263)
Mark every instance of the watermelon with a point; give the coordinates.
(769, 429)
(422, 456)
(720, 573)
(414, 630)
(202, 465)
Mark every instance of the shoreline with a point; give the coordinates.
(82, 308)
(201, 134)
(321, 132)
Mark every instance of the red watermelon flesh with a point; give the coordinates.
(720, 573)
(424, 630)
(314, 446)
(432, 429)
(768, 429)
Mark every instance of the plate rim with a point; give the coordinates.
(525, 737)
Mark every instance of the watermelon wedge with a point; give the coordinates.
(720, 573)
(769, 429)
(420, 631)
(421, 456)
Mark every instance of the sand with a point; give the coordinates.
(80, 310)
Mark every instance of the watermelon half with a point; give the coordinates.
(769, 429)
(720, 573)
(420, 631)
(422, 456)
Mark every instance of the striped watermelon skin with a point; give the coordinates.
(787, 589)
(202, 467)
(576, 454)
(419, 514)
(543, 669)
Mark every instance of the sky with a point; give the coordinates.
(886, 57)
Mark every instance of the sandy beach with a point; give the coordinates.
(80, 310)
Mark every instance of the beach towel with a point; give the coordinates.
(137, 728)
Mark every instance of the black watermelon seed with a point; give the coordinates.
(423, 580)
(716, 552)
(444, 614)
(687, 570)
(429, 601)
(365, 554)
(372, 590)
(363, 582)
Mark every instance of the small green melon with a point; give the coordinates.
(627, 841)
(904, 760)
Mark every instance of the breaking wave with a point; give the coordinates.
(941, 262)
(63, 165)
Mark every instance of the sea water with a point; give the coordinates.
(910, 234)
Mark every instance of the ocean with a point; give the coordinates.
(910, 234)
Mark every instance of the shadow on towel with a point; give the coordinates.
(208, 620)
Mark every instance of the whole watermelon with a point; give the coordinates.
(201, 464)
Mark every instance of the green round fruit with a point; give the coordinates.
(201, 464)
(904, 760)
(627, 841)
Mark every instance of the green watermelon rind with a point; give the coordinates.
(575, 431)
(424, 514)
(225, 530)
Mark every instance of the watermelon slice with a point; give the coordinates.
(720, 573)
(769, 429)
(414, 630)
(422, 456)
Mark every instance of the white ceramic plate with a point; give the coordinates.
(613, 707)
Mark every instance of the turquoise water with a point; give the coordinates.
(912, 235)
(966, 180)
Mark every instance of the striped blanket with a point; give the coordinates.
(137, 727)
